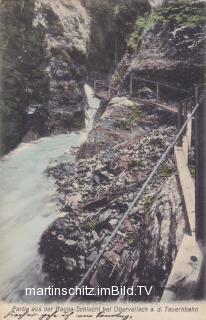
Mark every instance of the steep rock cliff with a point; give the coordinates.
(67, 32)
(168, 45)
(43, 51)
(111, 23)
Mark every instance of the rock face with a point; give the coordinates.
(96, 190)
(112, 21)
(110, 168)
(42, 68)
(177, 47)
(159, 3)
(67, 31)
(165, 226)
(168, 46)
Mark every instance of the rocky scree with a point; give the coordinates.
(95, 191)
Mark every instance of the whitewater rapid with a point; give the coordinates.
(27, 207)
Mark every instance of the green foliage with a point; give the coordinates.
(132, 238)
(119, 76)
(60, 54)
(176, 15)
(165, 171)
(125, 124)
(135, 164)
(91, 225)
(132, 164)
(192, 170)
(135, 115)
(126, 13)
(142, 25)
(148, 203)
(180, 15)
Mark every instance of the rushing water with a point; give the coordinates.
(26, 206)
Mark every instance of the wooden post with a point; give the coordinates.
(95, 84)
(200, 151)
(186, 272)
(179, 122)
(179, 117)
(110, 92)
(131, 85)
(200, 183)
(196, 94)
(184, 112)
(186, 107)
(157, 93)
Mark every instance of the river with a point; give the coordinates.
(27, 207)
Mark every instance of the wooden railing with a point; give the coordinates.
(188, 265)
(156, 84)
(103, 90)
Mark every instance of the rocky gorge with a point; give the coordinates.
(43, 69)
(122, 148)
(96, 182)
(62, 45)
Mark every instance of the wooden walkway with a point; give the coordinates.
(158, 105)
(188, 266)
(103, 90)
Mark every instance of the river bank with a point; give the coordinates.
(95, 191)
(27, 206)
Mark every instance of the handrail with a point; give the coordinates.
(110, 91)
(136, 198)
(98, 82)
(161, 84)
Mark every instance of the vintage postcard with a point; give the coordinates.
(102, 159)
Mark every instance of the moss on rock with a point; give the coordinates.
(135, 115)
(176, 15)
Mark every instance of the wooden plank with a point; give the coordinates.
(157, 105)
(102, 95)
(186, 143)
(200, 147)
(185, 276)
(185, 148)
(187, 185)
(189, 133)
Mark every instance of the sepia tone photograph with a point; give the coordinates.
(102, 159)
